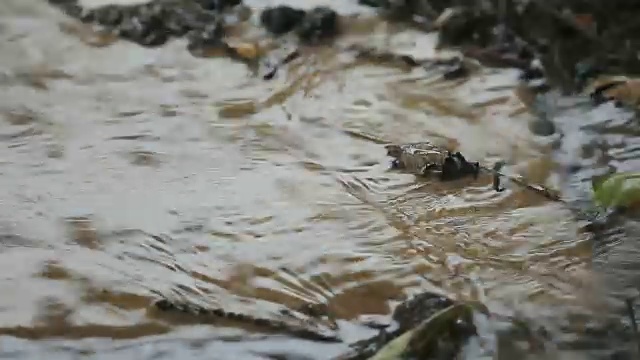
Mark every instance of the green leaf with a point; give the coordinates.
(597, 181)
(426, 334)
(394, 349)
(617, 190)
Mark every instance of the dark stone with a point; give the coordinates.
(210, 37)
(180, 21)
(74, 10)
(542, 127)
(109, 15)
(467, 26)
(420, 307)
(218, 5)
(406, 10)
(145, 31)
(375, 3)
(320, 23)
(281, 19)
(586, 71)
(455, 166)
(532, 72)
(406, 316)
(164, 305)
(456, 71)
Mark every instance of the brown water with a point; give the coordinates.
(128, 172)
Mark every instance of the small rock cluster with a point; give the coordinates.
(153, 24)
(313, 26)
(200, 21)
(575, 40)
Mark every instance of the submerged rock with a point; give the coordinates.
(542, 127)
(374, 3)
(281, 19)
(455, 166)
(108, 15)
(303, 331)
(462, 25)
(313, 26)
(405, 317)
(156, 22)
(146, 29)
(218, 5)
(458, 69)
(319, 23)
(209, 37)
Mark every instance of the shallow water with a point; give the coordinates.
(130, 172)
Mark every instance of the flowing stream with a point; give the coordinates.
(128, 172)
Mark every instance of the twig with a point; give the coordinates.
(289, 57)
(538, 189)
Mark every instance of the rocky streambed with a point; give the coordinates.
(248, 174)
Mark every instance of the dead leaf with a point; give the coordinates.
(246, 51)
(621, 88)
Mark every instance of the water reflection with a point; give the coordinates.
(132, 172)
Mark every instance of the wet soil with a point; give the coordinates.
(130, 172)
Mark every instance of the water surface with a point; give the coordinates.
(129, 172)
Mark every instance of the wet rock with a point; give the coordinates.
(374, 3)
(405, 10)
(459, 26)
(458, 69)
(208, 38)
(319, 23)
(109, 15)
(542, 127)
(148, 24)
(301, 330)
(144, 30)
(182, 21)
(70, 8)
(281, 19)
(534, 71)
(411, 312)
(533, 92)
(156, 22)
(73, 10)
(455, 166)
(405, 317)
(218, 5)
(586, 71)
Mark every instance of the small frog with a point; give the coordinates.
(423, 158)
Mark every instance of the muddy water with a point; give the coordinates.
(128, 172)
